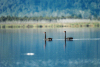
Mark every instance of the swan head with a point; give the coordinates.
(64, 31)
(44, 32)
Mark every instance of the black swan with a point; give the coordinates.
(68, 38)
(48, 39)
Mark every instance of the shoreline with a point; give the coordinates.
(54, 24)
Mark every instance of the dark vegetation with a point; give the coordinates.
(9, 18)
(13, 18)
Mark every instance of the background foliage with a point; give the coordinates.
(36, 8)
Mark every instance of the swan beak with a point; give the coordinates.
(44, 32)
(64, 31)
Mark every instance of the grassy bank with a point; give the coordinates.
(48, 25)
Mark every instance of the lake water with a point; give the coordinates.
(27, 48)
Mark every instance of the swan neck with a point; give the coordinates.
(65, 35)
(45, 35)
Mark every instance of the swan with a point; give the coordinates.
(68, 38)
(48, 39)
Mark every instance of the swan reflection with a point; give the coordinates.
(45, 44)
(65, 45)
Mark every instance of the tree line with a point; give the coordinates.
(25, 18)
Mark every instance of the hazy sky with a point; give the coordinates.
(49, 7)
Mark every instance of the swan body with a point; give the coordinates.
(68, 38)
(48, 39)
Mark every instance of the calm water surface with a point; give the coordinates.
(27, 48)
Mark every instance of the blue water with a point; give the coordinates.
(27, 48)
